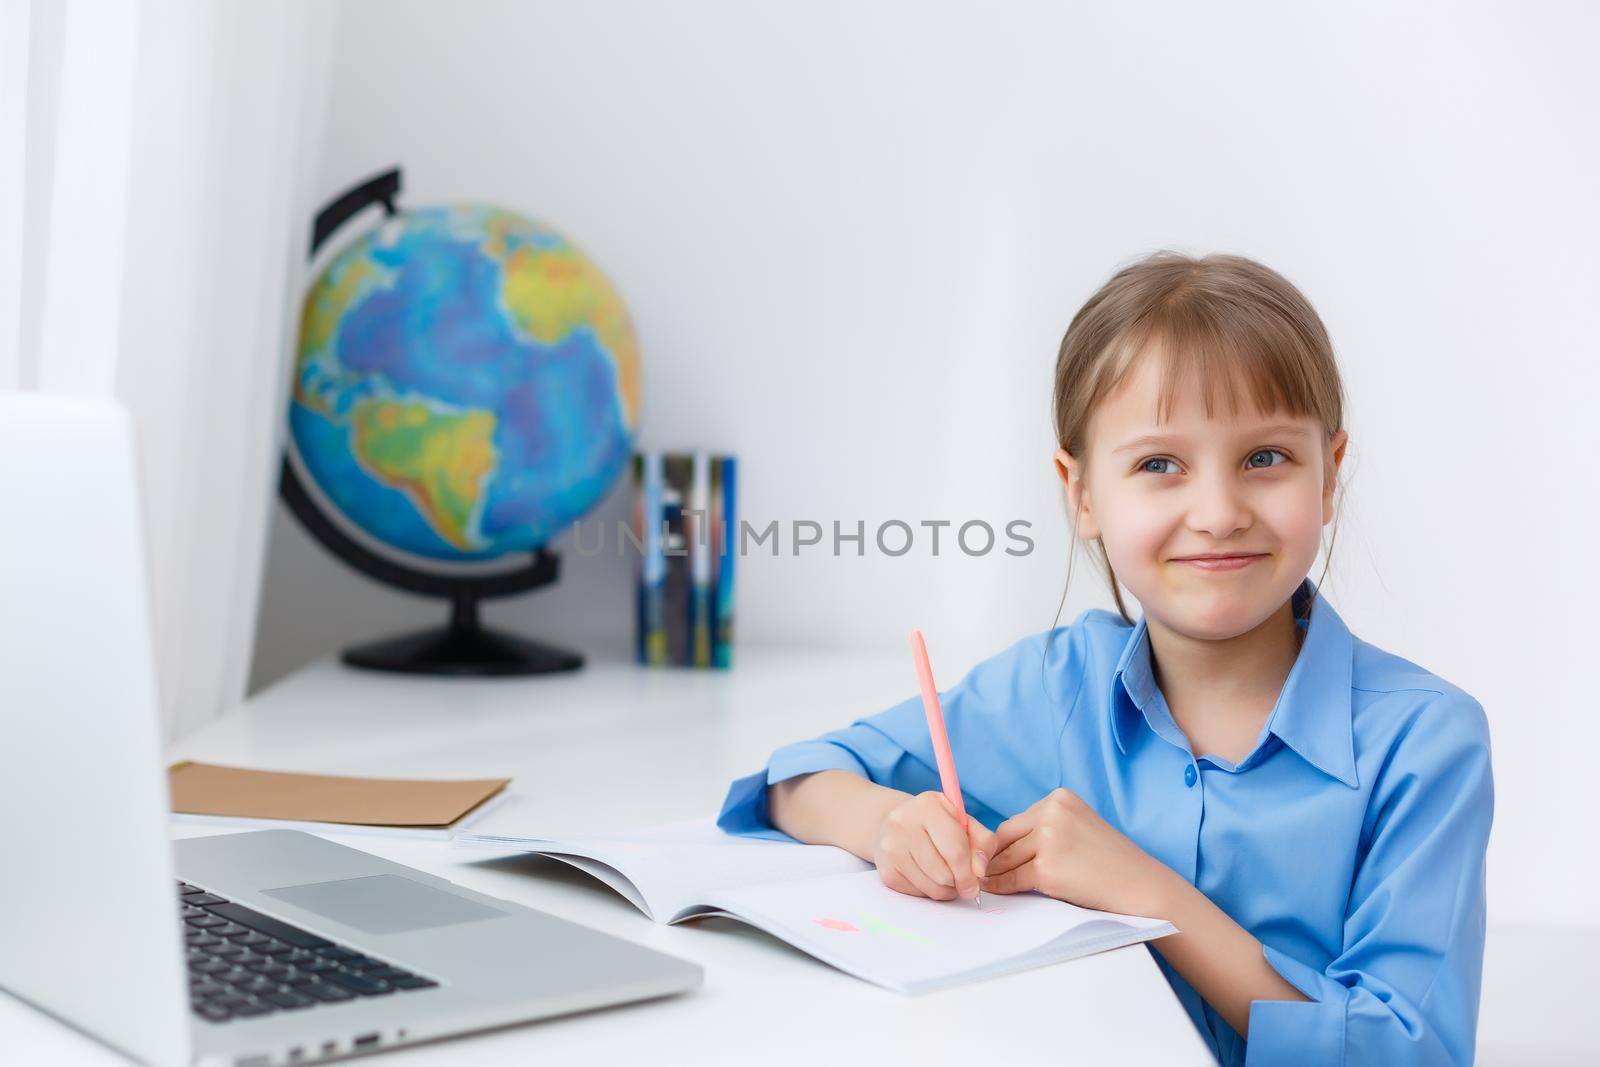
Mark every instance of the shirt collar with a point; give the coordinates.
(1313, 712)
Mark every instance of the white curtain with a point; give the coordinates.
(14, 20)
(162, 187)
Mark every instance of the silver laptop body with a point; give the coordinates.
(90, 916)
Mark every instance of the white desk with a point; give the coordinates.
(615, 746)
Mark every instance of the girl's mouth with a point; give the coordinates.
(1222, 563)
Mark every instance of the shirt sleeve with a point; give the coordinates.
(1004, 719)
(1404, 990)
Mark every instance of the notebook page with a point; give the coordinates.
(911, 944)
(674, 867)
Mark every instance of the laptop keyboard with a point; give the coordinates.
(244, 964)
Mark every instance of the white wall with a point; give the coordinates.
(852, 235)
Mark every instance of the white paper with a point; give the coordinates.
(674, 867)
(913, 944)
(833, 905)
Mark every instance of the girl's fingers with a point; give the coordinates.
(1013, 855)
(921, 882)
(1016, 880)
(983, 846)
(901, 882)
(956, 850)
(901, 873)
(932, 866)
(1015, 828)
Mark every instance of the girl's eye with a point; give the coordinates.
(1145, 467)
(1265, 452)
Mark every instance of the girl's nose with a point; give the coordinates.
(1218, 507)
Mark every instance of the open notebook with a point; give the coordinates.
(826, 902)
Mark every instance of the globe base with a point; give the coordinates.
(461, 651)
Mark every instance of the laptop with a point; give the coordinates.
(246, 949)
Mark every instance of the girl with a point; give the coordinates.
(1309, 810)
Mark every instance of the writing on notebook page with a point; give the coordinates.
(868, 922)
(871, 924)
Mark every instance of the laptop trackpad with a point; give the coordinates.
(383, 904)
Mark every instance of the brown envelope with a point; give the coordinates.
(210, 789)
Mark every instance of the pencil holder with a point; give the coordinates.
(684, 523)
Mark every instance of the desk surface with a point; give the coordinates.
(616, 746)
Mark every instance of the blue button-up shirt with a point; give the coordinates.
(1350, 841)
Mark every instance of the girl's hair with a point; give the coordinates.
(1241, 327)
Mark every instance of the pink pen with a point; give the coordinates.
(936, 731)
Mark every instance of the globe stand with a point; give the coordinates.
(465, 647)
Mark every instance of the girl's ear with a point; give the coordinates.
(1330, 481)
(1070, 471)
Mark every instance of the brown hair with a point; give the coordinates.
(1243, 327)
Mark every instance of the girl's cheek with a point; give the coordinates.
(1297, 516)
(1135, 538)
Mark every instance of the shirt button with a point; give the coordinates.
(1189, 776)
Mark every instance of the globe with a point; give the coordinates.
(466, 384)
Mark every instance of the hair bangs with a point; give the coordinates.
(1235, 360)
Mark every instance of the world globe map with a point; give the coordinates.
(466, 383)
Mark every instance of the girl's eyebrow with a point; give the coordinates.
(1150, 439)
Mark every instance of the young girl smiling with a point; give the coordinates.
(1310, 811)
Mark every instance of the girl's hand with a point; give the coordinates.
(922, 851)
(1064, 849)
